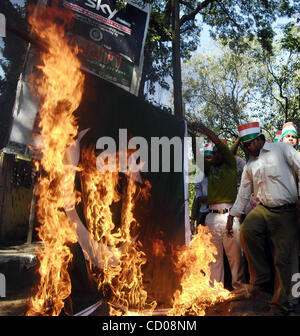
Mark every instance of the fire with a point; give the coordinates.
(197, 293)
(116, 255)
(124, 277)
(59, 86)
(158, 248)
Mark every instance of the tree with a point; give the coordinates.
(218, 90)
(229, 20)
(227, 89)
(13, 51)
(279, 86)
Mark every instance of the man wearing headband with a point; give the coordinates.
(289, 134)
(222, 190)
(270, 174)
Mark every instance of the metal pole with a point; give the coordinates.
(177, 84)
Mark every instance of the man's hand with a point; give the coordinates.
(229, 225)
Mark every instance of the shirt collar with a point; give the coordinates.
(267, 146)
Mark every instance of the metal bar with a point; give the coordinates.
(27, 38)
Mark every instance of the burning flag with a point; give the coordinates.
(59, 84)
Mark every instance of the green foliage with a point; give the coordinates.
(218, 89)
(232, 22)
(291, 40)
(227, 89)
(279, 86)
(14, 49)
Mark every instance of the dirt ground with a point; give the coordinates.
(20, 266)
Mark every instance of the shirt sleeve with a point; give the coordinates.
(241, 163)
(244, 194)
(293, 159)
(198, 189)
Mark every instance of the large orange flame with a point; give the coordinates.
(197, 292)
(114, 252)
(60, 86)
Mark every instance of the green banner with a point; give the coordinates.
(103, 62)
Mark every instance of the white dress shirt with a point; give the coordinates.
(240, 164)
(271, 177)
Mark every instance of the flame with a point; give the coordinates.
(158, 247)
(124, 277)
(120, 255)
(59, 86)
(197, 293)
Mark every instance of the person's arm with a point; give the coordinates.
(226, 152)
(209, 133)
(235, 146)
(242, 199)
(240, 163)
(293, 159)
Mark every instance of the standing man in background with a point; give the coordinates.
(221, 172)
(289, 134)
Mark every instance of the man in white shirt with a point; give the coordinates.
(289, 135)
(270, 174)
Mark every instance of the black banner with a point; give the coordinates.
(110, 39)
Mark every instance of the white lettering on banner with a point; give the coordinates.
(160, 149)
(2, 285)
(2, 25)
(296, 286)
(104, 8)
(97, 17)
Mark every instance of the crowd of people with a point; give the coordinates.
(257, 223)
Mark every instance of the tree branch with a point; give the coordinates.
(193, 13)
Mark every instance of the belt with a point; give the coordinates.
(221, 211)
(285, 206)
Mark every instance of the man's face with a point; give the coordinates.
(290, 139)
(217, 159)
(208, 157)
(254, 146)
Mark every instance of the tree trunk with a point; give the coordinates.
(177, 84)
